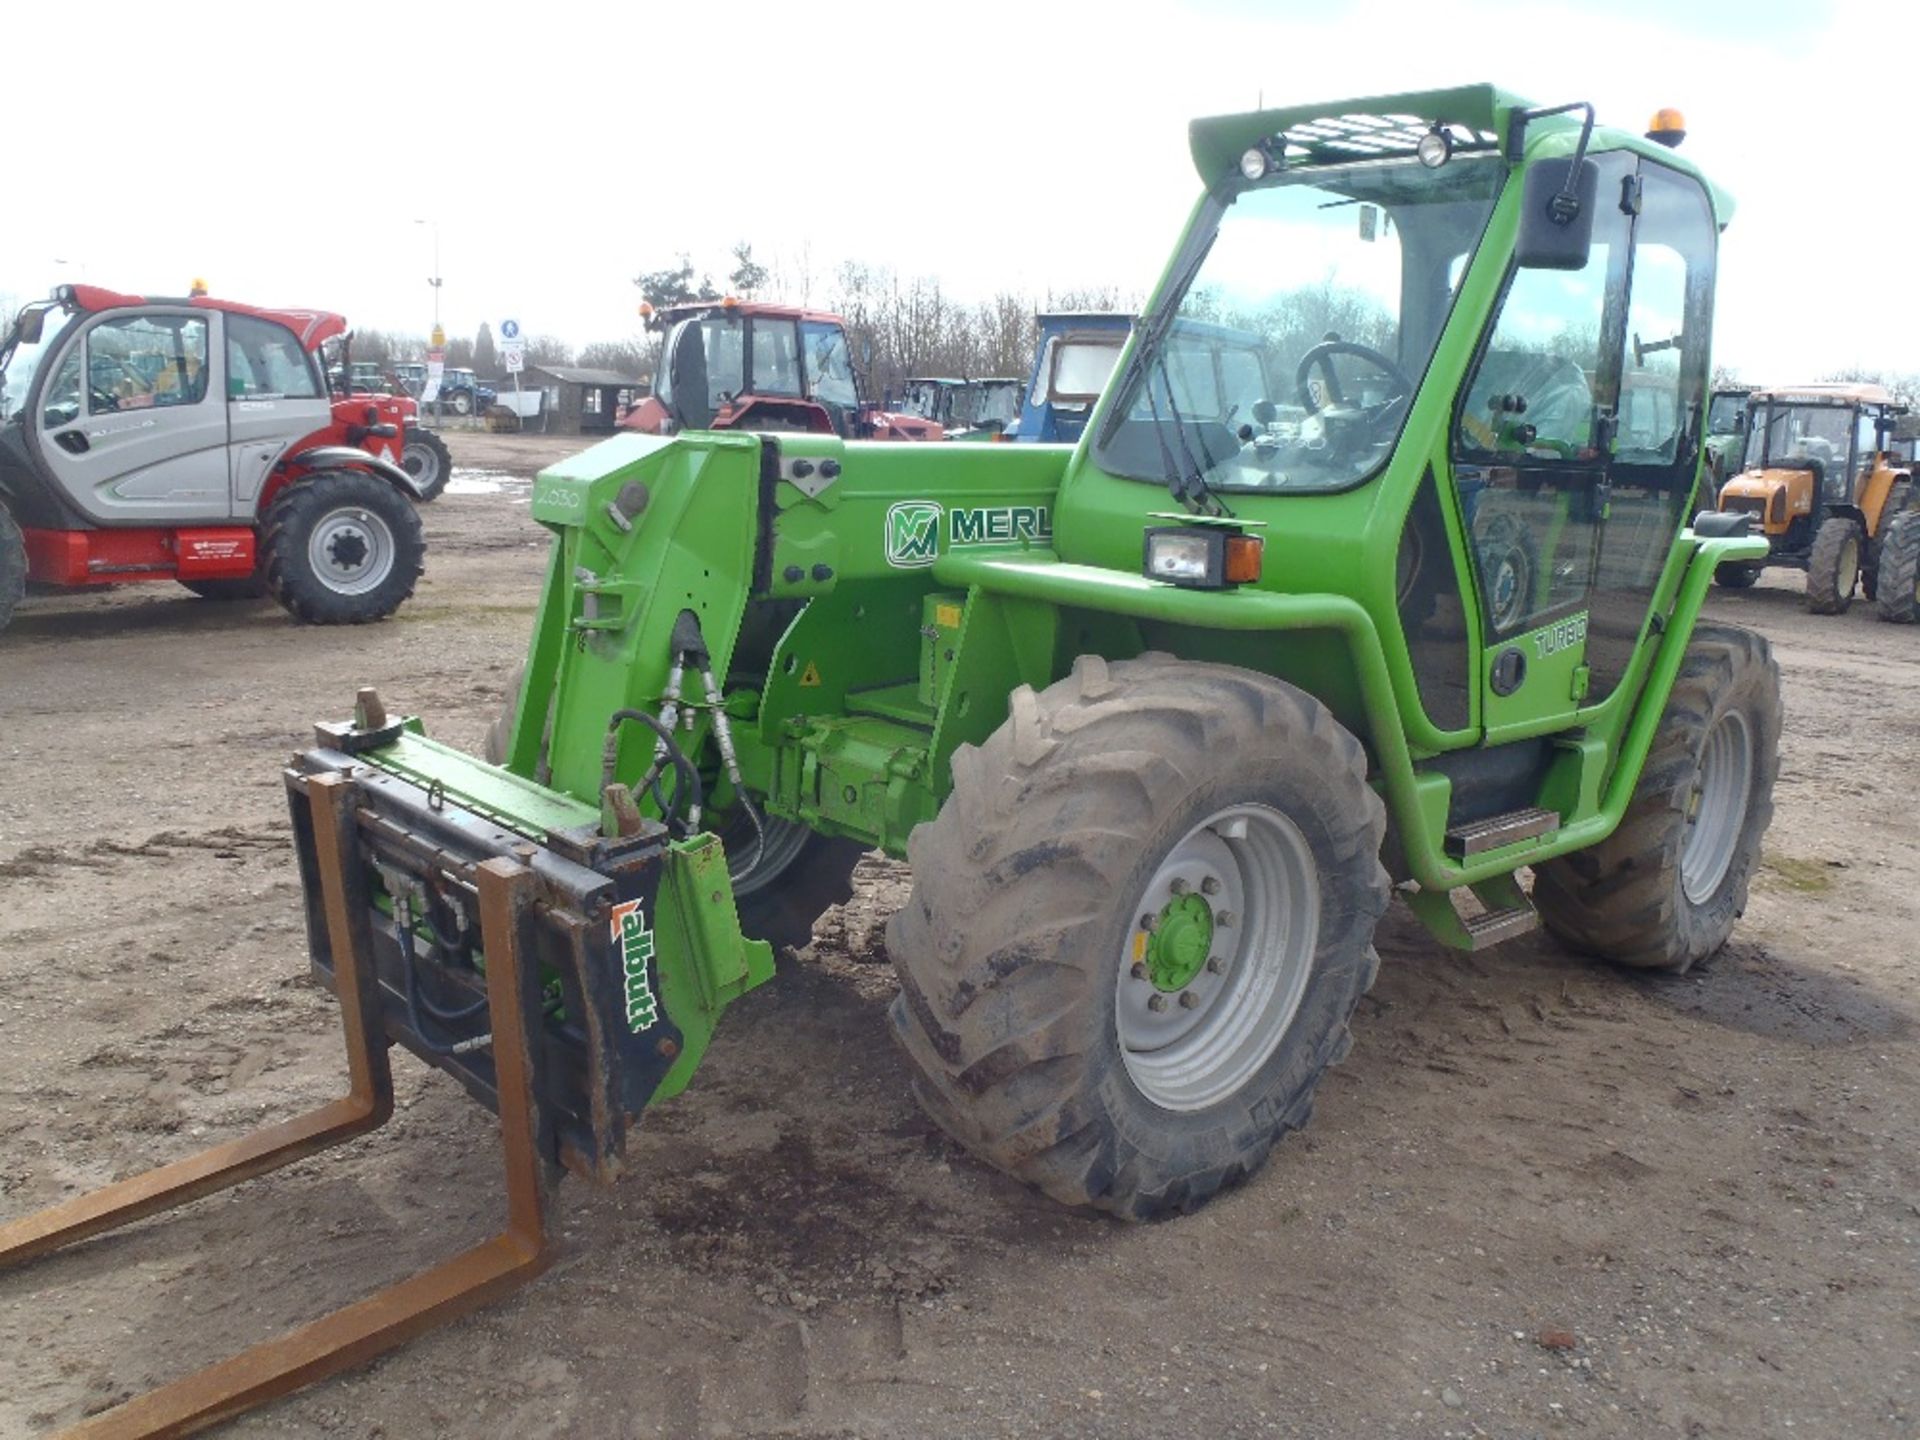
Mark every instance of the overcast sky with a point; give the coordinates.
(562, 148)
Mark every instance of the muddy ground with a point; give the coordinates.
(1709, 1184)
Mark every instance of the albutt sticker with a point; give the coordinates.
(635, 943)
(913, 534)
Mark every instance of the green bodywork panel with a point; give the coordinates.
(871, 607)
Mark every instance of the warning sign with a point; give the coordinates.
(811, 677)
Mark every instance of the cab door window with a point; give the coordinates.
(1656, 458)
(1531, 436)
(776, 358)
(265, 362)
(137, 362)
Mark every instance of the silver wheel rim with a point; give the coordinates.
(1849, 574)
(1205, 1040)
(423, 463)
(1717, 810)
(781, 846)
(351, 550)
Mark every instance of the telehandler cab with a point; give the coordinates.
(1161, 720)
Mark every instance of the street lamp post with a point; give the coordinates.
(434, 279)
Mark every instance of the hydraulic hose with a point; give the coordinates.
(688, 789)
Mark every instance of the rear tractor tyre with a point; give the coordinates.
(342, 547)
(13, 566)
(1833, 566)
(425, 457)
(462, 402)
(1898, 600)
(781, 887)
(1138, 930)
(1663, 891)
(1736, 574)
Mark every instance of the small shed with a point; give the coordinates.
(576, 400)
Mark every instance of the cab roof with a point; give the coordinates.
(314, 327)
(1384, 127)
(745, 308)
(1828, 392)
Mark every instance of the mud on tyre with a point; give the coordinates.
(341, 547)
(1124, 828)
(1663, 891)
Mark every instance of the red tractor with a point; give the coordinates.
(740, 365)
(195, 440)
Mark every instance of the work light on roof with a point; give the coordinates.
(1435, 147)
(1254, 164)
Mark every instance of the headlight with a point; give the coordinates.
(1435, 148)
(1202, 557)
(1253, 164)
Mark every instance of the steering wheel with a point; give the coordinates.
(1322, 356)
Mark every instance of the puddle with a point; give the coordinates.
(487, 482)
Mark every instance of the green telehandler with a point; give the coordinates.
(1354, 585)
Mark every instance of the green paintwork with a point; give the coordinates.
(705, 963)
(1180, 942)
(873, 612)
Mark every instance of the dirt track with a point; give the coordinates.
(1711, 1183)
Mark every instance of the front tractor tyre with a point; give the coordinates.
(424, 456)
(1833, 565)
(342, 547)
(13, 566)
(462, 402)
(1138, 929)
(1898, 597)
(1663, 891)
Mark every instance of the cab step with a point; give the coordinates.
(1479, 836)
(1494, 926)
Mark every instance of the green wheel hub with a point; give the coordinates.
(1180, 942)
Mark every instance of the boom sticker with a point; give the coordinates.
(635, 943)
(913, 534)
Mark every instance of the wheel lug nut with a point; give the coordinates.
(1223, 919)
(1188, 999)
(1157, 1003)
(1149, 923)
(1210, 885)
(1178, 886)
(1216, 966)
(1139, 972)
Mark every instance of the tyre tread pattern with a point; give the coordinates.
(283, 549)
(1044, 824)
(1621, 899)
(13, 566)
(1823, 565)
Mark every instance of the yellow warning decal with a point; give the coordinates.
(947, 617)
(811, 676)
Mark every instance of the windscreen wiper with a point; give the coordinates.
(1189, 485)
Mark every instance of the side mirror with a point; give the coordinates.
(1556, 221)
(689, 399)
(32, 323)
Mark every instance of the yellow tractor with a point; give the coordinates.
(1823, 474)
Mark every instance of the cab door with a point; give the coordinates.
(274, 399)
(1571, 515)
(145, 440)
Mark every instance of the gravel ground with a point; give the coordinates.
(1540, 1198)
